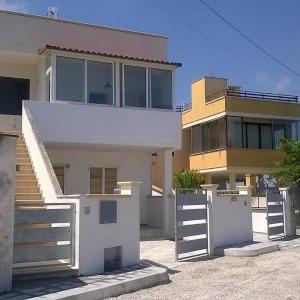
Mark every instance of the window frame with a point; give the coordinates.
(117, 67)
(103, 176)
(53, 95)
(150, 89)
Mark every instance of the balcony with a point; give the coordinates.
(238, 160)
(102, 126)
(252, 95)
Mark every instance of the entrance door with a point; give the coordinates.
(12, 92)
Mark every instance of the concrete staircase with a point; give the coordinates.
(27, 187)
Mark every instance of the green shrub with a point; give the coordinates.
(187, 179)
(290, 164)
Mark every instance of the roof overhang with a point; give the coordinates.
(109, 55)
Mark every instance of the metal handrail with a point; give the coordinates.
(184, 107)
(252, 95)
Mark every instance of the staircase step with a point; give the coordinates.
(27, 189)
(21, 147)
(26, 183)
(28, 196)
(28, 176)
(34, 203)
(25, 160)
(22, 155)
(26, 166)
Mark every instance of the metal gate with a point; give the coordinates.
(275, 214)
(43, 237)
(191, 225)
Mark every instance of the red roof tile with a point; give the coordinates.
(51, 47)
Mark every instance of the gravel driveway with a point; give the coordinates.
(270, 276)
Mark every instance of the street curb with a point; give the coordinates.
(153, 276)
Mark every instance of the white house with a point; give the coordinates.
(102, 100)
(91, 105)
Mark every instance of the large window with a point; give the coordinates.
(99, 82)
(209, 136)
(111, 83)
(161, 89)
(70, 79)
(135, 86)
(239, 132)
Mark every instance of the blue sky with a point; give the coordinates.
(198, 39)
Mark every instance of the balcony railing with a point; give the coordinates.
(253, 95)
(184, 107)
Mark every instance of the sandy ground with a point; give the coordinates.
(270, 276)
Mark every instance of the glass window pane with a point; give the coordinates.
(99, 82)
(205, 137)
(161, 89)
(279, 132)
(221, 133)
(213, 135)
(234, 128)
(196, 139)
(266, 136)
(69, 79)
(252, 131)
(135, 86)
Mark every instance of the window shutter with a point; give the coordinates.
(110, 180)
(95, 180)
(60, 175)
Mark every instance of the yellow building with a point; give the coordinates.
(232, 136)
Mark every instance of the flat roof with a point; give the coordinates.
(52, 47)
(81, 23)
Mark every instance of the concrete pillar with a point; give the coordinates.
(7, 196)
(288, 212)
(232, 181)
(251, 182)
(208, 178)
(168, 206)
(211, 193)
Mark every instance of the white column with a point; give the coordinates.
(211, 193)
(7, 196)
(289, 226)
(168, 208)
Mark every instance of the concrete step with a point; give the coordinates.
(43, 272)
(23, 160)
(247, 249)
(27, 203)
(26, 183)
(24, 166)
(28, 176)
(28, 196)
(22, 155)
(27, 189)
(150, 232)
(21, 147)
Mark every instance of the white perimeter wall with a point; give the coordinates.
(131, 166)
(28, 34)
(95, 237)
(231, 220)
